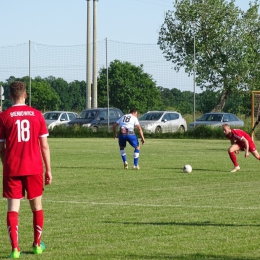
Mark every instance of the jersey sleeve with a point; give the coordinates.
(137, 122)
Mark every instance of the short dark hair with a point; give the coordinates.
(17, 89)
(133, 110)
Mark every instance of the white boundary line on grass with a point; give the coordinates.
(151, 205)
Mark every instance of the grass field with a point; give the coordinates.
(97, 210)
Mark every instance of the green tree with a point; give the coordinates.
(77, 95)
(42, 96)
(207, 100)
(185, 105)
(167, 97)
(239, 104)
(61, 87)
(129, 86)
(226, 40)
(171, 97)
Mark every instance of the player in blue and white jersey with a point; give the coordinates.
(127, 124)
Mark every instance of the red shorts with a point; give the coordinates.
(242, 147)
(15, 187)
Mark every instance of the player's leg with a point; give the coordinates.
(253, 151)
(38, 220)
(233, 149)
(136, 157)
(13, 192)
(122, 145)
(12, 225)
(133, 141)
(34, 187)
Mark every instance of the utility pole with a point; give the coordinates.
(94, 85)
(88, 58)
(194, 72)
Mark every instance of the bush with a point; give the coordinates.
(200, 132)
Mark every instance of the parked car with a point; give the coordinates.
(162, 122)
(97, 118)
(54, 118)
(217, 119)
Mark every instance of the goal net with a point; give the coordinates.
(255, 114)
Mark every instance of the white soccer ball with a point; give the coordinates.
(187, 168)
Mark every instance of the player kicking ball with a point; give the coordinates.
(240, 141)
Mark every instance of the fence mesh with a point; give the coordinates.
(69, 62)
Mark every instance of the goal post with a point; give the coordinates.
(255, 113)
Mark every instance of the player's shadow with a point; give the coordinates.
(193, 169)
(172, 223)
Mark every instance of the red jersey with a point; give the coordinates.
(21, 126)
(237, 135)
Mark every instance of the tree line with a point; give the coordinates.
(129, 86)
(223, 38)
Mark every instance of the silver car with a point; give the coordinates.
(162, 122)
(55, 118)
(217, 119)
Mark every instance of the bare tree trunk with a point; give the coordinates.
(221, 102)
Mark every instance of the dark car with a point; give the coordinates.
(217, 119)
(96, 118)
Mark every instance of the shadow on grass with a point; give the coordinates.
(199, 224)
(157, 256)
(193, 169)
(176, 257)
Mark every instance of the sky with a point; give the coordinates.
(64, 22)
(57, 30)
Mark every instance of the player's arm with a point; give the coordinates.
(2, 151)
(140, 130)
(45, 150)
(246, 146)
(114, 129)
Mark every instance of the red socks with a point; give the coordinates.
(38, 219)
(233, 158)
(12, 228)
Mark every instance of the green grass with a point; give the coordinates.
(96, 210)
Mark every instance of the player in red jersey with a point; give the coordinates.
(240, 141)
(23, 147)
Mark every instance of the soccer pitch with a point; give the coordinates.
(95, 209)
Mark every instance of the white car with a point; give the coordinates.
(55, 118)
(162, 122)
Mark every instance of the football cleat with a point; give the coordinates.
(37, 250)
(125, 165)
(237, 168)
(15, 254)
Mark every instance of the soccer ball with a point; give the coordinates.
(187, 168)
